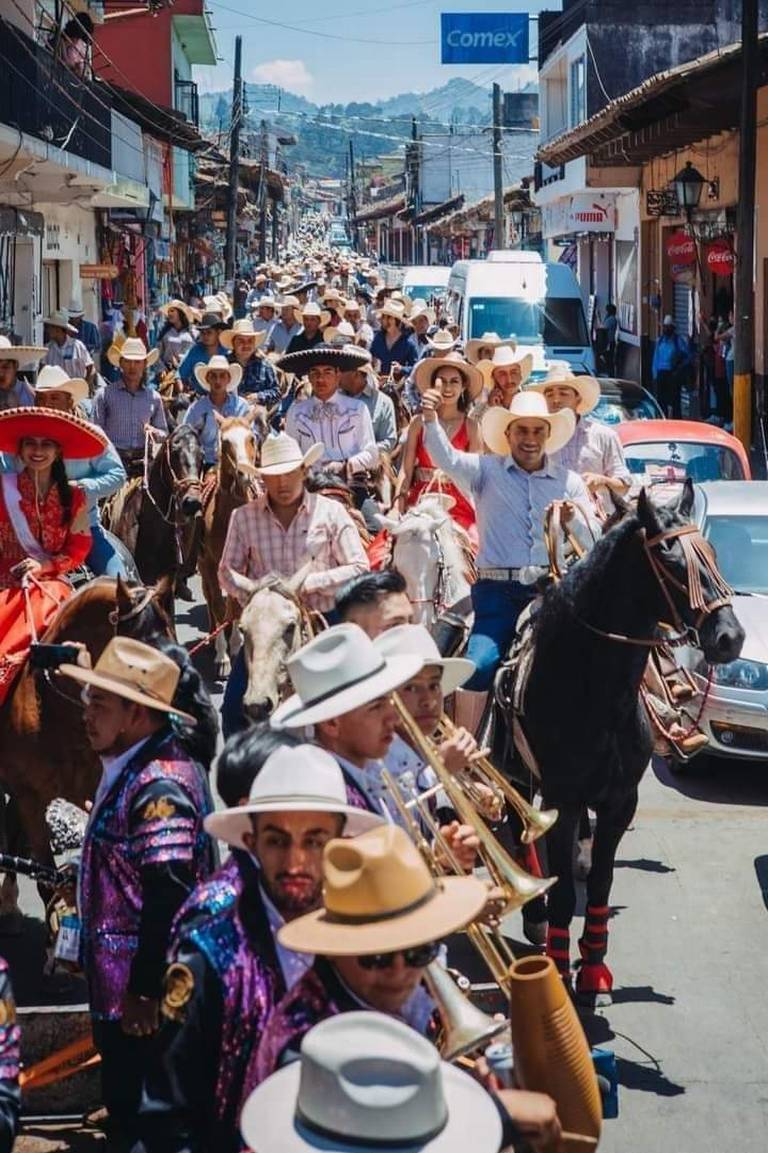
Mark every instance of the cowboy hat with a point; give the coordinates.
(280, 453)
(25, 354)
(210, 320)
(506, 356)
(560, 372)
(136, 672)
(366, 1081)
(78, 439)
(487, 340)
(394, 308)
(60, 319)
(180, 306)
(332, 294)
(75, 308)
(265, 302)
(290, 302)
(419, 308)
(337, 671)
(416, 639)
(346, 358)
(442, 341)
(400, 298)
(51, 378)
(242, 328)
(132, 348)
(219, 364)
(339, 334)
(295, 780)
(379, 896)
(218, 303)
(314, 309)
(528, 405)
(425, 370)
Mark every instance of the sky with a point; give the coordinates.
(345, 50)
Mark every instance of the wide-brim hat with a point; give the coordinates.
(314, 309)
(25, 354)
(60, 319)
(526, 405)
(416, 639)
(51, 378)
(266, 302)
(132, 348)
(419, 308)
(290, 301)
(337, 671)
(506, 357)
(210, 320)
(487, 340)
(77, 438)
(379, 896)
(341, 333)
(306, 779)
(394, 308)
(280, 453)
(136, 672)
(346, 358)
(180, 306)
(219, 364)
(242, 328)
(561, 373)
(429, 365)
(442, 341)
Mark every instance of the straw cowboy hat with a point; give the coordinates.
(401, 298)
(280, 453)
(341, 333)
(75, 309)
(425, 370)
(181, 307)
(297, 780)
(219, 364)
(379, 896)
(419, 308)
(136, 672)
(51, 378)
(290, 302)
(365, 1082)
(132, 348)
(560, 372)
(242, 328)
(394, 308)
(77, 438)
(266, 302)
(527, 405)
(27, 355)
(442, 341)
(345, 357)
(487, 340)
(506, 357)
(337, 671)
(405, 639)
(314, 309)
(60, 319)
(218, 303)
(332, 295)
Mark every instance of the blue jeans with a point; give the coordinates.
(102, 559)
(497, 606)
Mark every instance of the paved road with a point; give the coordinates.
(689, 951)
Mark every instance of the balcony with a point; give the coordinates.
(186, 99)
(43, 98)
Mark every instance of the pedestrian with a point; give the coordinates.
(176, 337)
(124, 408)
(208, 344)
(611, 329)
(87, 332)
(243, 344)
(375, 601)
(671, 359)
(14, 391)
(66, 350)
(313, 320)
(219, 379)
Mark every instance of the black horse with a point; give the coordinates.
(583, 718)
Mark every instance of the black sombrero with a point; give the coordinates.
(346, 358)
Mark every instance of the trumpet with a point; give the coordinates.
(482, 772)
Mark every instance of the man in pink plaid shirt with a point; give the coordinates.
(280, 532)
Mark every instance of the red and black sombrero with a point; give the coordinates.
(78, 439)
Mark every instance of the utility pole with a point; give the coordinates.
(263, 161)
(744, 325)
(230, 248)
(498, 190)
(352, 194)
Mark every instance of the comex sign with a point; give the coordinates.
(484, 38)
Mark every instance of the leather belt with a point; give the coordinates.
(499, 574)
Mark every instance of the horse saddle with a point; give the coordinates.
(512, 681)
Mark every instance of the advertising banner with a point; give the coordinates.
(681, 255)
(719, 258)
(484, 38)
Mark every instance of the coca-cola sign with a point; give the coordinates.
(681, 256)
(719, 258)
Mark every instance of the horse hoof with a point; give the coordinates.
(223, 669)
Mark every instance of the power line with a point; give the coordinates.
(326, 35)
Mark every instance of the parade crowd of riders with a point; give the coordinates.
(286, 999)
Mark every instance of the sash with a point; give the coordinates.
(19, 523)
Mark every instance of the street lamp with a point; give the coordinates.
(689, 185)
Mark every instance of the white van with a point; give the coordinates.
(426, 281)
(539, 304)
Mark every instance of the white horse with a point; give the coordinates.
(434, 555)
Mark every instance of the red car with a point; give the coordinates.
(669, 451)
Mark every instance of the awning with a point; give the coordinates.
(379, 209)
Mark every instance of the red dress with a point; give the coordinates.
(67, 544)
(463, 512)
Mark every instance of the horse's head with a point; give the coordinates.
(427, 551)
(272, 627)
(689, 586)
(238, 452)
(142, 612)
(184, 458)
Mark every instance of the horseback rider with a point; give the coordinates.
(220, 380)
(259, 381)
(125, 408)
(208, 344)
(15, 392)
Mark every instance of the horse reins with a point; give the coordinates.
(179, 485)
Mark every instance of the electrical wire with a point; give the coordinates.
(325, 35)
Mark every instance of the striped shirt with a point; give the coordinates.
(122, 414)
(321, 531)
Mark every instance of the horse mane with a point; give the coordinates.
(101, 591)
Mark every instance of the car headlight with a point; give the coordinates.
(741, 675)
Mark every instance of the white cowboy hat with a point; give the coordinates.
(132, 348)
(180, 306)
(27, 355)
(266, 302)
(528, 405)
(487, 340)
(419, 308)
(314, 309)
(341, 333)
(242, 328)
(51, 378)
(394, 308)
(365, 1082)
(429, 365)
(280, 453)
(339, 670)
(219, 364)
(506, 356)
(442, 341)
(332, 294)
(405, 639)
(400, 298)
(560, 372)
(296, 780)
(60, 319)
(290, 302)
(75, 308)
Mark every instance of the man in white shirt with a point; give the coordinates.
(65, 350)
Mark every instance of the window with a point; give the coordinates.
(186, 100)
(578, 91)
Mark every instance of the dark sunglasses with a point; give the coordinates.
(416, 958)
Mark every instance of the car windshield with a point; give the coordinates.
(661, 461)
(423, 291)
(617, 407)
(741, 544)
(558, 320)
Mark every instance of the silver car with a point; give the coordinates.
(734, 516)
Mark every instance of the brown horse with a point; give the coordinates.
(233, 485)
(44, 752)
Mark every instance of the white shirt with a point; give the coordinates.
(72, 356)
(404, 765)
(293, 965)
(342, 424)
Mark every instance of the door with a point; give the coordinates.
(51, 299)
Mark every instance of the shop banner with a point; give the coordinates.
(484, 38)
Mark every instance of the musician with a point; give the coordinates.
(226, 971)
(144, 850)
(375, 601)
(10, 1058)
(127, 406)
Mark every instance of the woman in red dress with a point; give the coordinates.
(459, 384)
(44, 529)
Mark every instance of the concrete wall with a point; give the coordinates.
(69, 241)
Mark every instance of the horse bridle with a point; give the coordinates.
(179, 485)
(437, 598)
